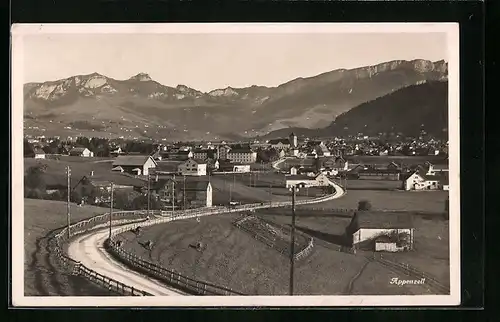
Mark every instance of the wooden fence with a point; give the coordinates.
(77, 268)
(130, 219)
(170, 277)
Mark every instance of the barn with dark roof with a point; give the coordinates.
(381, 230)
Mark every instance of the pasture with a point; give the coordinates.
(431, 253)
(418, 201)
(234, 259)
(372, 184)
(41, 275)
(247, 188)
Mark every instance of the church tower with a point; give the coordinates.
(292, 138)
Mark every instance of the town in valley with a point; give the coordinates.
(331, 184)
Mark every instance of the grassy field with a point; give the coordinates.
(431, 252)
(419, 201)
(234, 259)
(373, 184)
(242, 191)
(41, 276)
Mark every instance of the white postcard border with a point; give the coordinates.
(17, 220)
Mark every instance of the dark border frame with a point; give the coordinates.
(470, 15)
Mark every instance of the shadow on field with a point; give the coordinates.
(340, 240)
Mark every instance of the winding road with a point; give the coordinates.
(88, 249)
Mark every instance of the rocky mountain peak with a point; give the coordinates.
(142, 77)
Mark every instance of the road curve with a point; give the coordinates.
(88, 249)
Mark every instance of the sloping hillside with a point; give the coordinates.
(408, 110)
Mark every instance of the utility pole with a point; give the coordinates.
(292, 246)
(149, 194)
(184, 192)
(270, 194)
(173, 195)
(110, 210)
(68, 214)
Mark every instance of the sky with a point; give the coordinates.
(210, 61)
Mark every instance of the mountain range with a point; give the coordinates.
(142, 107)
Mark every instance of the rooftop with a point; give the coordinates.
(131, 160)
(380, 220)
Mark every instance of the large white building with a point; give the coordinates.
(193, 167)
(417, 181)
(242, 156)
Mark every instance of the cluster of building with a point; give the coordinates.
(426, 176)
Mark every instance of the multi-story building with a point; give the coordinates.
(242, 155)
(193, 167)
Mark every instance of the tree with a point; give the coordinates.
(36, 194)
(76, 197)
(56, 195)
(34, 177)
(364, 205)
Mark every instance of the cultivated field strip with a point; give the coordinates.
(129, 220)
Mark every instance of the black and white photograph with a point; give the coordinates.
(308, 164)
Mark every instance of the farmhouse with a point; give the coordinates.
(306, 181)
(418, 181)
(38, 153)
(381, 231)
(435, 169)
(117, 151)
(336, 164)
(81, 152)
(242, 155)
(134, 164)
(184, 192)
(193, 167)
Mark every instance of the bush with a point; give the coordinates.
(34, 177)
(364, 205)
(36, 194)
(76, 197)
(55, 196)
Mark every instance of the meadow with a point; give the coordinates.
(41, 275)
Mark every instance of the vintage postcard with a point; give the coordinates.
(235, 165)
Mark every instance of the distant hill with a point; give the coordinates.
(408, 110)
(141, 107)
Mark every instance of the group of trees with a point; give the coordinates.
(267, 155)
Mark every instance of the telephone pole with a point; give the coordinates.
(68, 215)
(149, 194)
(173, 195)
(270, 194)
(292, 246)
(110, 210)
(184, 192)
